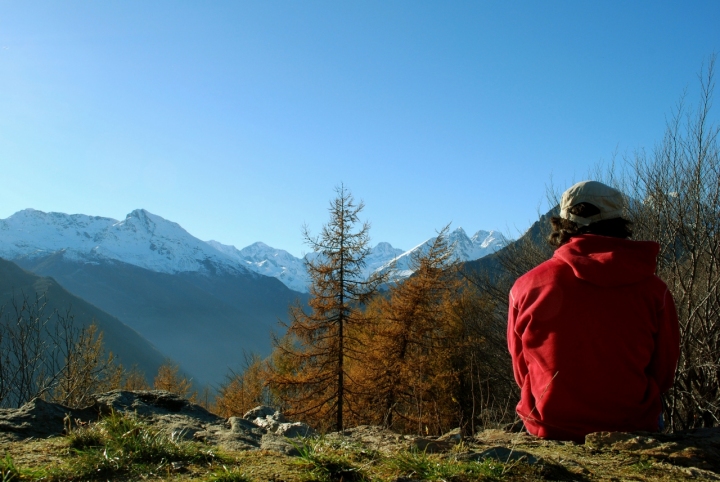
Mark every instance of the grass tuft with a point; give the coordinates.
(420, 465)
(9, 472)
(122, 444)
(328, 462)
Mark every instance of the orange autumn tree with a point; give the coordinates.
(244, 390)
(313, 382)
(408, 364)
(168, 378)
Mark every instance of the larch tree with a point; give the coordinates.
(319, 341)
(168, 378)
(243, 390)
(411, 342)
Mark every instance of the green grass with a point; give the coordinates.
(124, 445)
(420, 465)
(334, 461)
(325, 461)
(643, 465)
(10, 473)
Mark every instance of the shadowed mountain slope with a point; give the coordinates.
(204, 320)
(123, 341)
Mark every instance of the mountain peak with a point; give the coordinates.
(260, 244)
(385, 248)
(142, 239)
(152, 242)
(458, 234)
(146, 218)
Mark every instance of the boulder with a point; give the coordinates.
(241, 425)
(267, 423)
(295, 429)
(501, 454)
(431, 446)
(260, 411)
(151, 403)
(454, 436)
(374, 437)
(167, 411)
(40, 419)
(280, 444)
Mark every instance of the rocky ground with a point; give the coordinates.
(264, 446)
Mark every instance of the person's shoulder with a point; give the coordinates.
(658, 285)
(539, 274)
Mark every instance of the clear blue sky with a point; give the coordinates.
(237, 119)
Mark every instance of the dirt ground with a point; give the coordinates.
(604, 456)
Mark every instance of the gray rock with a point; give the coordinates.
(373, 438)
(241, 425)
(260, 411)
(501, 454)
(39, 419)
(267, 424)
(279, 444)
(295, 429)
(234, 440)
(152, 403)
(454, 436)
(431, 446)
(271, 423)
(177, 426)
(169, 412)
(621, 441)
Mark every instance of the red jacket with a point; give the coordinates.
(594, 339)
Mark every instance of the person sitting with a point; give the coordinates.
(592, 332)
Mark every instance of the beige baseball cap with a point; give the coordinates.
(608, 200)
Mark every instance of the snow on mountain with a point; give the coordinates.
(141, 239)
(268, 261)
(481, 244)
(379, 256)
(263, 259)
(151, 242)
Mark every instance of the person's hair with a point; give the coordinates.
(563, 230)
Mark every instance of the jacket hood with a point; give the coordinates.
(607, 261)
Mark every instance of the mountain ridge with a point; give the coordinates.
(152, 242)
(142, 239)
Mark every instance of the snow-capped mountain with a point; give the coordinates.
(194, 303)
(466, 248)
(198, 302)
(379, 256)
(280, 264)
(149, 241)
(268, 261)
(142, 239)
(263, 259)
